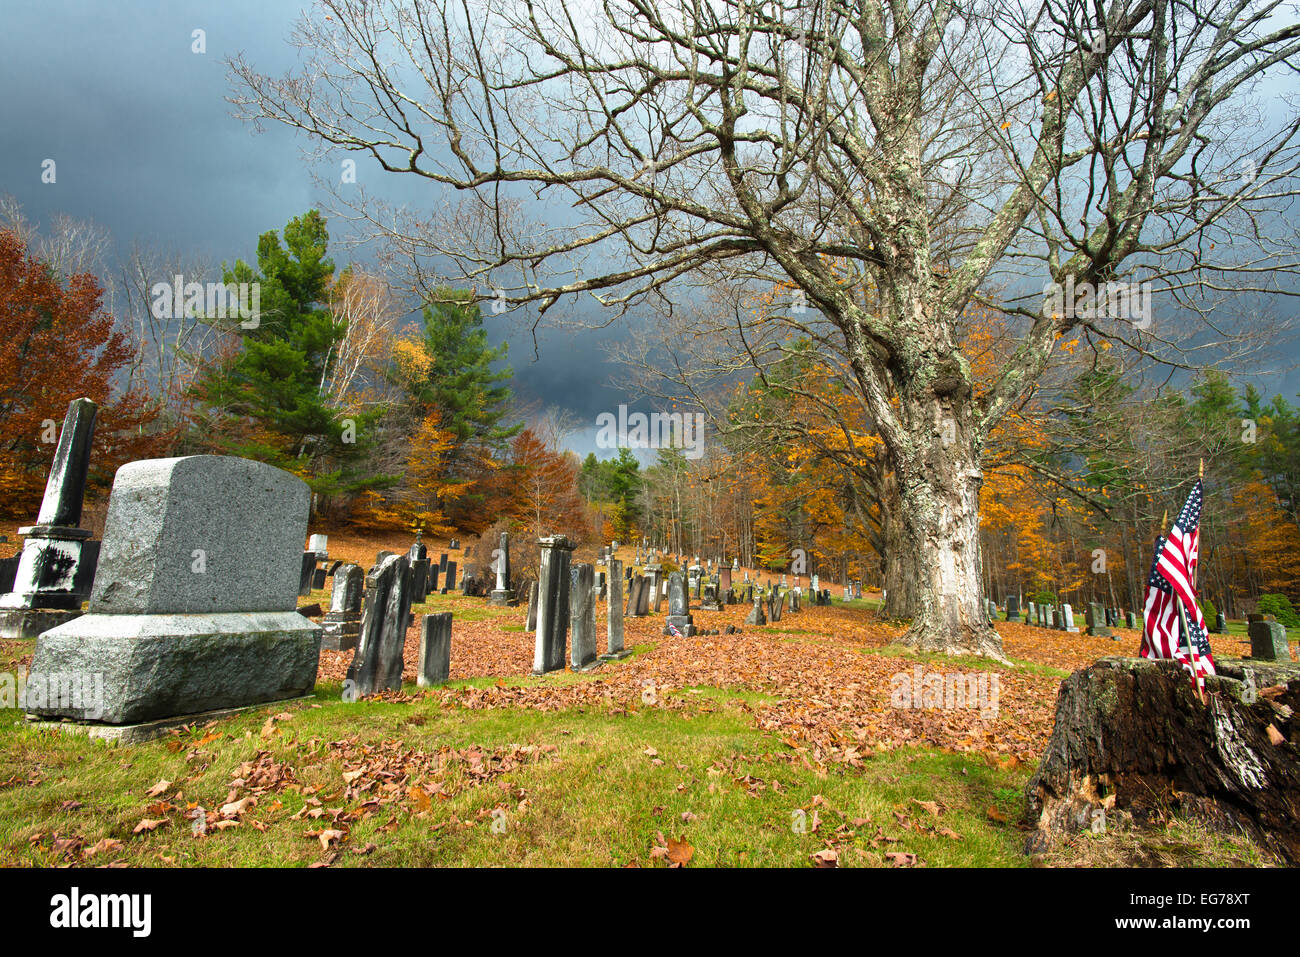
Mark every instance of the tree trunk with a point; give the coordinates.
(1131, 740)
(937, 548)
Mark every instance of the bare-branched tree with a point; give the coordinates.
(888, 164)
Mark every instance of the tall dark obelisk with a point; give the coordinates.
(57, 566)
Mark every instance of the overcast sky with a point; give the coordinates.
(145, 145)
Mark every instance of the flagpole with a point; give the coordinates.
(1187, 636)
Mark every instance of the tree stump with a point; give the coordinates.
(1131, 735)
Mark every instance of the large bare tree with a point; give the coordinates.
(887, 162)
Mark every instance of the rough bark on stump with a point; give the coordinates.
(1131, 735)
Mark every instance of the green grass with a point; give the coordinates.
(600, 800)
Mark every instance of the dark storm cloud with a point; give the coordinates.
(145, 145)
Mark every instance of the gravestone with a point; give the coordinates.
(342, 625)
(449, 583)
(530, 623)
(1032, 610)
(193, 606)
(419, 580)
(614, 614)
(442, 563)
(679, 607)
(756, 616)
(320, 545)
(1268, 640)
(1067, 618)
(317, 579)
(1013, 607)
(307, 574)
(710, 600)
(431, 583)
(502, 595)
(435, 650)
(377, 664)
(1096, 618)
(8, 569)
(552, 604)
(1220, 623)
(1130, 620)
(582, 616)
(56, 567)
(643, 597)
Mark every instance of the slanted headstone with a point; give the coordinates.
(756, 616)
(552, 604)
(377, 664)
(342, 625)
(307, 576)
(1268, 640)
(530, 624)
(51, 579)
(435, 650)
(582, 616)
(193, 606)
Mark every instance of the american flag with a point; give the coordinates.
(1170, 585)
(674, 630)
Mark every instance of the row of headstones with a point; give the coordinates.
(425, 575)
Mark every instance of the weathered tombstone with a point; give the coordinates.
(709, 600)
(431, 583)
(756, 616)
(1013, 607)
(342, 625)
(449, 582)
(643, 597)
(50, 582)
(679, 607)
(193, 608)
(1096, 618)
(582, 616)
(1130, 620)
(307, 576)
(419, 580)
(377, 664)
(552, 604)
(1268, 640)
(502, 595)
(8, 569)
(442, 563)
(614, 614)
(1067, 618)
(1220, 624)
(435, 650)
(724, 579)
(320, 545)
(530, 624)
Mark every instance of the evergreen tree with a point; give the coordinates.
(266, 400)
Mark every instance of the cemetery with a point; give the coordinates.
(949, 516)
